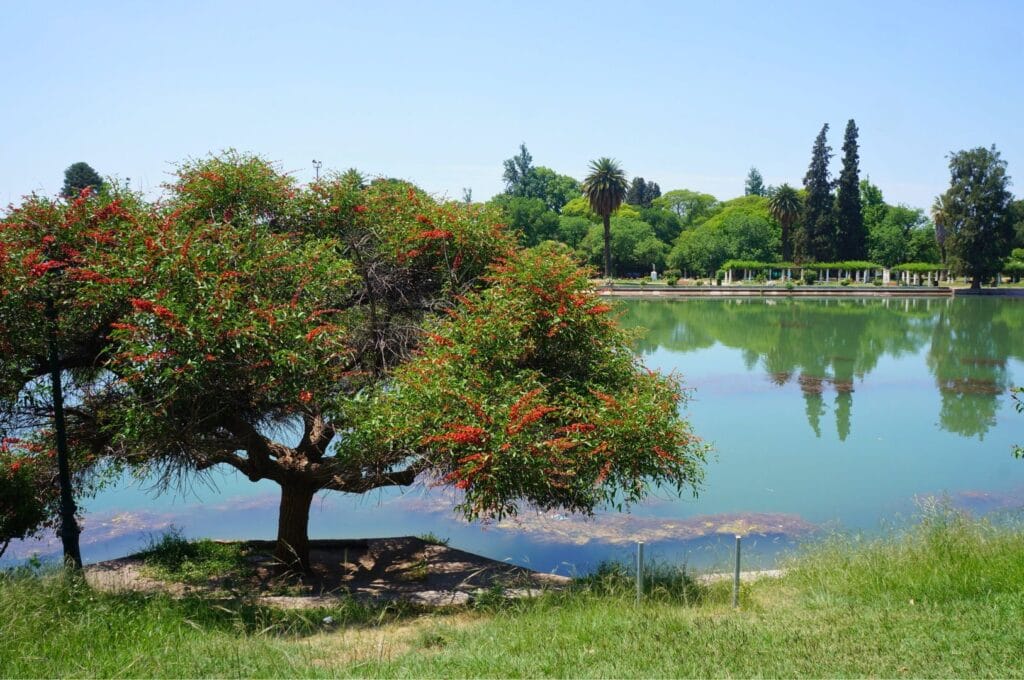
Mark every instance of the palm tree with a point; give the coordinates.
(939, 217)
(785, 207)
(605, 187)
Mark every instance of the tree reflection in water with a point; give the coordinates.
(827, 346)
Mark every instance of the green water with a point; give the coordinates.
(845, 411)
(822, 413)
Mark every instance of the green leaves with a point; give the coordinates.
(528, 393)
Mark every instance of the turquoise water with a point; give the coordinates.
(823, 414)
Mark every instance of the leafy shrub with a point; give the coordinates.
(672, 274)
(845, 282)
(29, 496)
(719, 276)
(810, 277)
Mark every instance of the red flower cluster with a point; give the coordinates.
(434, 233)
(152, 308)
(41, 268)
(459, 434)
(359, 208)
(577, 427)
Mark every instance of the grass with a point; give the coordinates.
(942, 598)
(172, 557)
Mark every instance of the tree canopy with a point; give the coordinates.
(79, 176)
(977, 212)
(398, 335)
(815, 238)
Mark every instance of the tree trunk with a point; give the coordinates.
(976, 282)
(607, 246)
(293, 527)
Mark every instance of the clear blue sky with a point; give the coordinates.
(688, 94)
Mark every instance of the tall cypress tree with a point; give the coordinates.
(815, 240)
(851, 234)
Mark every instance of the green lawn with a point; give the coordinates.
(943, 599)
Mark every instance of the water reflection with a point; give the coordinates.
(827, 347)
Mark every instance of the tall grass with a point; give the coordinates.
(944, 597)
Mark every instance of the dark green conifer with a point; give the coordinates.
(816, 237)
(851, 234)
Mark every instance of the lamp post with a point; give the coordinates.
(317, 164)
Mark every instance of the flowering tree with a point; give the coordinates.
(397, 335)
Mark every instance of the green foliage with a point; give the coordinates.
(666, 223)
(642, 193)
(848, 606)
(902, 234)
(809, 277)
(754, 185)
(524, 180)
(785, 205)
(530, 217)
(691, 207)
(1018, 402)
(571, 230)
(29, 494)
(977, 212)
(1017, 217)
(174, 558)
(80, 176)
(634, 246)
(193, 329)
(433, 539)
(815, 239)
(851, 234)
(519, 407)
(743, 229)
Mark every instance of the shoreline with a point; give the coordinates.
(806, 292)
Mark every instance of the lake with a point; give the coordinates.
(824, 414)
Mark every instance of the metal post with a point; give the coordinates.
(639, 570)
(69, 530)
(736, 576)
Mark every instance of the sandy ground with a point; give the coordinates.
(377, 569)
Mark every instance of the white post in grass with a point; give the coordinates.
(736, 577)
(639, 570)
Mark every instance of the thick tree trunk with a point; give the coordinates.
(293, 527)
(975, 282)
(607, 246)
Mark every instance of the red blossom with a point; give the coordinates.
(440, 340)
(599, 309)
(153, 308)
(458, 434)
(531, 416)
(41, 268)
(305, 396)
(577, 427)
(359, 208)
(433, 234)
(316, 331)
